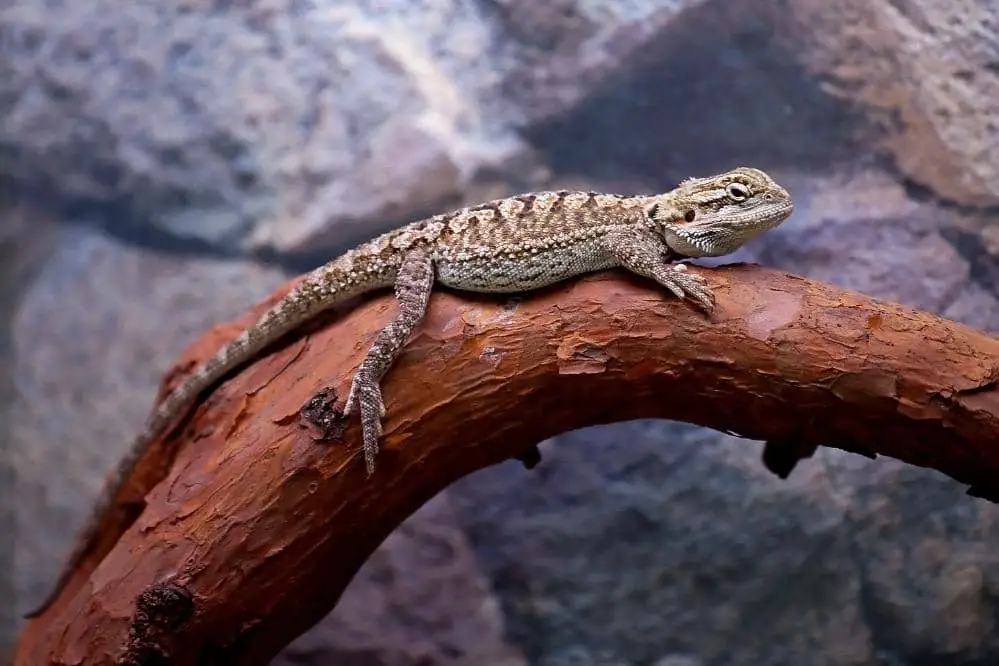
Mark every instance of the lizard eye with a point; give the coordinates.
(738, 191)
(689, 215)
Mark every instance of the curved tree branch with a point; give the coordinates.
(252, 533)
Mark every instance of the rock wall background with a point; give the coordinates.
(164, 165)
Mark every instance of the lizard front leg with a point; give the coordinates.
(644, 254)
(412, 290)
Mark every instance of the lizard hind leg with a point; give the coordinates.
(413, 285)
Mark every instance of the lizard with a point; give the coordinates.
(511, 245)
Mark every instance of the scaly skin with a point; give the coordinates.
(508, 245)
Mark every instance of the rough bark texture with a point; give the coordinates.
(252, 533)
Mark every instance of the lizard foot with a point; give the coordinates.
(366, 394)
(687, 284)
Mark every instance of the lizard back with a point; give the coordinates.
(529, 241)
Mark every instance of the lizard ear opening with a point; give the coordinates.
(651, 210)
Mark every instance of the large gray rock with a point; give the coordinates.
(26, 237)
(425, 591)
(923, 70)
(287, 130)
(645, 539)
(269, 125)
(257, 126)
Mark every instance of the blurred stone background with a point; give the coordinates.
(164, 165)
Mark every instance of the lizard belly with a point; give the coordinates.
(523, 272)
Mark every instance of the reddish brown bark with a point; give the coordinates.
(256, 529)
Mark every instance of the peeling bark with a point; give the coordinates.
(253, 524)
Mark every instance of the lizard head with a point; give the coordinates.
(711, 217)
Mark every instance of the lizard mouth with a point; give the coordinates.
(751, 222)
(728, 234)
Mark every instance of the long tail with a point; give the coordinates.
(325, 287)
